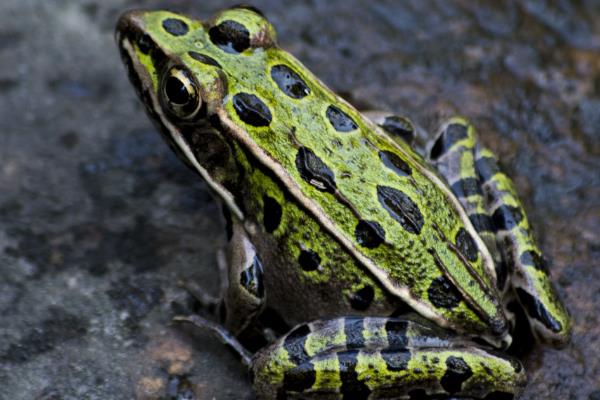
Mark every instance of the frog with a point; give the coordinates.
(399, 269)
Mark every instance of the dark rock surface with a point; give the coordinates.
(99, 221)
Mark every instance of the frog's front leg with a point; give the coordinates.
(491, 201)
(243, 295)
(381, 358)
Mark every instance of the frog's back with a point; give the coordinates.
(374, 196)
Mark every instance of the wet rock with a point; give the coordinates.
(100, 223)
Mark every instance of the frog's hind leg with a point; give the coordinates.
(382, 358)
(453, 156)
(483, 189)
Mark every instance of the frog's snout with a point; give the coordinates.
(131, 20)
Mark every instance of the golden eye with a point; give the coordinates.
(180, 93)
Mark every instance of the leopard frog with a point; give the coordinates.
(396, 267)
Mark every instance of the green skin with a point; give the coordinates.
(297, 244)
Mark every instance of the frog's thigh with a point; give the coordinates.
(381, 358)
(244, 297)
(453, 155)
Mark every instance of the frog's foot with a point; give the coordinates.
(381, 358)
(207, 302)
(221, 333)
(210, 304)
(491, 201)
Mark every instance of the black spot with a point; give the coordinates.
(466, 187)
(401, 208)
(145, 44)
(314, 171)
(452, 134)
(252, 279)
(352, 387)
(294, 344)
(396, 360)
(395, 163)
(230, 36)
(399, 126)
(340, 121)
(481, 222)
(362, 298)
(535, 309)
(251, 109)
(271, 214)
(289, 81)
(466, 245)
(501, 274)
(369, 234)
(203, 58)
(300, 378)
(534, 259)
(228, 222)
(457, 373)
(486, 167)
(506, 217)
(396, 333)
(175, 26)
(353, 328)
(309, 260)
(443, 294)
(499, 396)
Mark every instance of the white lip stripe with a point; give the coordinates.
(223, 193)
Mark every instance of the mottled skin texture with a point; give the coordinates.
(337, 210)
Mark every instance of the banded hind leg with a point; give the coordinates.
(381, 358)
(490, 199)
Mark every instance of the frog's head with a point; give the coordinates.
(179, 65)
(182, 68)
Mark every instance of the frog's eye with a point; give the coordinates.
(180, 93)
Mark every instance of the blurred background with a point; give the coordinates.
(99, 222)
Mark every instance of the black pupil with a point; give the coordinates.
(176, 91)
